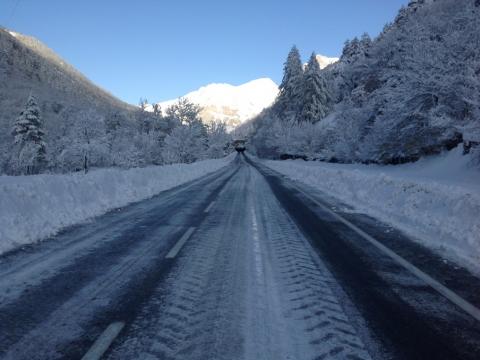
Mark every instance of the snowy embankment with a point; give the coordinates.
(36, 207)
(436, 200)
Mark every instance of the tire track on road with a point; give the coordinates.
(305, 288)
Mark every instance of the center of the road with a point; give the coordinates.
(256, 249)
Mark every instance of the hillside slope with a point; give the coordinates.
(412, 91)
(415, 89)
(66, 96)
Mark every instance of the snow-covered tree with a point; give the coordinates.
(219, 141)
(316, 99)
(30, 155)
(84, 144)
(181, 146)
(351, 50)
(187, 142)
(145, 120)
(185, 112)
(291, 89)
(412, 91)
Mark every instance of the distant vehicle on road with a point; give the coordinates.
(239, 145)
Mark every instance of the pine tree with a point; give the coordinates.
(289, 98)
(365, 41)
(365, 44)
(29, 134)
(316, 99)
(351, 50)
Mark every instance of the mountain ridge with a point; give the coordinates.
(43, 51)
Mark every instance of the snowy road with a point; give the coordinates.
(240, 264)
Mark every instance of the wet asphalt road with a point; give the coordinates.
(240, 264)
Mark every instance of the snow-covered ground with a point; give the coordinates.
(436, 200)
(36, 207)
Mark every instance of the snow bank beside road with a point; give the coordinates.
(36, 207)
(436, 200)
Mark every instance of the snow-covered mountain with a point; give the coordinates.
(324, 61)
(233, 104)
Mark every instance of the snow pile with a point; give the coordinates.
(436, 200)
(36, 207)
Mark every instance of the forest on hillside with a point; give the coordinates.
(412, 91)
(55, 120)
(150, 138)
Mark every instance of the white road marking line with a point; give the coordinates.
(104, 341)
(209, 206)
(178, 246)
(447, 293)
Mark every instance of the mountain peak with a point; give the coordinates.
(324, 61)
(230, 103)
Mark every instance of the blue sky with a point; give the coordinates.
(164, 49)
